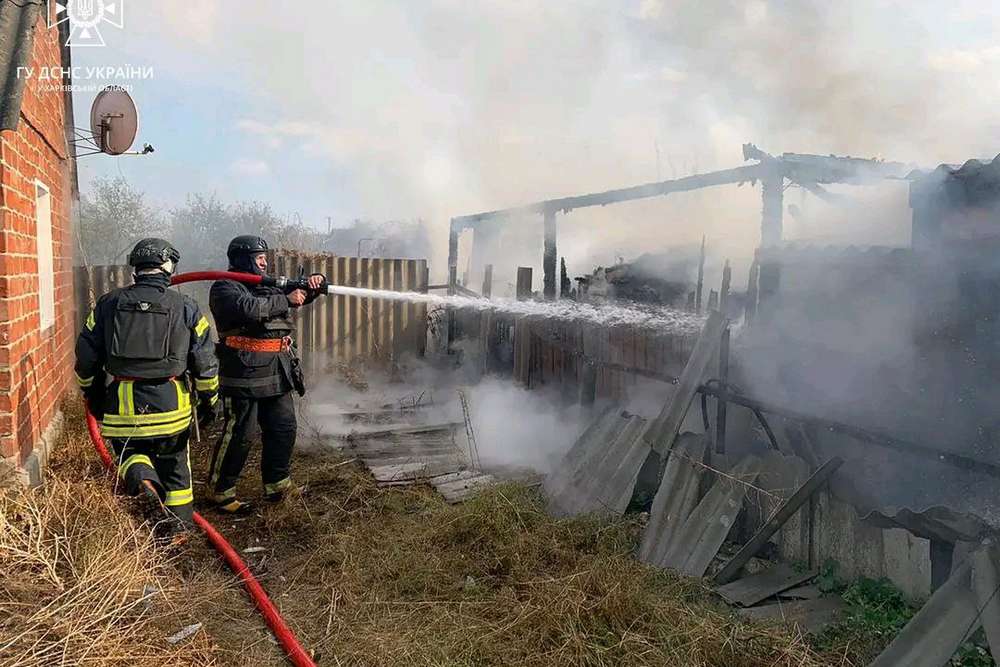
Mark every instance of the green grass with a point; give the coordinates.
(877, 612)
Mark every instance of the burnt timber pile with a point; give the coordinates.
(851, 416)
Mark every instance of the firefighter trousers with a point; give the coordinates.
(165, 462)
(276, 417)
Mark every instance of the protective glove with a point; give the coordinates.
(313, 293)
(207, 413)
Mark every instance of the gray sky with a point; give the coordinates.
(432, 109)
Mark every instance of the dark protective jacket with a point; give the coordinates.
(146, 337)
(253, 311)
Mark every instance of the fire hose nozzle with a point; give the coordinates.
(284, 282)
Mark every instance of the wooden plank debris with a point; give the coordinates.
(458, 490)
(403, 430)
(772, 525)
(748, 591)
(676, 496)
(810, 615)
(660, 436)
(708, 525)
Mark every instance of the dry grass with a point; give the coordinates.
(373, 576)
(365, 576)
(81, 582)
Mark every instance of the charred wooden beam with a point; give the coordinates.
(549, 256)
(565, 204)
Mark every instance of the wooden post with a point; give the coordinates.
(720, 410)
(488, 281)
(412, 333)
(751, 305)
(342, 317)
(376, 308)
(523, 283)
(549, 255)
(701, 277)
(424, 276)
(452, 280)
(452, 255)
(565, 286)
(777, 520)
(770, 235)
(588, 379)
(397, 310)
(727, 276)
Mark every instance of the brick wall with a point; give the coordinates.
(35, 366)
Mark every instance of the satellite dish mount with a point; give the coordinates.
(114, 122)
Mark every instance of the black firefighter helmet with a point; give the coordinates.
(154, 253)
(241, 251)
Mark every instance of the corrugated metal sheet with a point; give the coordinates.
(17, 32)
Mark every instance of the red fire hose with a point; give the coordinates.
(195, 276)
(296, 654)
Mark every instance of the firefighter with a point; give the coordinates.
(147, 339)
(258, 371)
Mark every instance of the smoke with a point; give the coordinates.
(513, 427)
(447, 108)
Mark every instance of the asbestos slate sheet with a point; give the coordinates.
(932, 636)
(596, 476)
(675, 498)
(614, 483)
(706, 528)
(605, 474)
(810, 615)
(748, 591)
(591, 445)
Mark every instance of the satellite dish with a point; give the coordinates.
(114, 120)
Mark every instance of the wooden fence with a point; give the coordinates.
(580, 361)
(341, 328)
(332, 329)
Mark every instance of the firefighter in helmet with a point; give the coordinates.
(150, 341)
(258, 371)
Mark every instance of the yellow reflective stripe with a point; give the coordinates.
(132, 460)
(183, 396)
(126, 398)
(137, 431)
(214, 399)
(201, 327)
(280, 485)
(206, 384)
(148, 419)
(84, 382)
(182, 497)
(91, 321)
